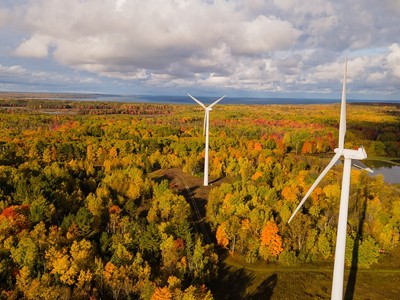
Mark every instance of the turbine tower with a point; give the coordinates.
(351, 157)
(207, 110)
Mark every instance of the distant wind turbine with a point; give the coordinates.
(351, 157)
(205, 131)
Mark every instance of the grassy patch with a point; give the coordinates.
(238, 280)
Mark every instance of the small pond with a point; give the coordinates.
(390, 171)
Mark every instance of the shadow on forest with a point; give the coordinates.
(159, 179)
(198, 206)
(193, 189)
(351, 282)
(215, 180)
(234, 284)
(265, 289)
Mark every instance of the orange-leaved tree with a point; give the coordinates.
(222, 236)
(271, 241)
(161, 294)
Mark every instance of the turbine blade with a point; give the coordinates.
(205, 122)
(197, 101)
(342, 124)
(359, 165)
(338, 162)
(323, 173)
(212, 104)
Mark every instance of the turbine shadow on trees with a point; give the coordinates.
(351, 281)
(233, 284)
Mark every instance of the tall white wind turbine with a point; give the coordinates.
(351, 157)
(207, 110)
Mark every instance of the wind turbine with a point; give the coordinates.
(351, 157)
(207, 110)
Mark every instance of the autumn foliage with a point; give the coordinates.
(85, 213)
(221, 235)
(271, 240)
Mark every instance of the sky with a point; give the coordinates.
(253, 48)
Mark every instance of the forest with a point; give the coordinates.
(85, 212)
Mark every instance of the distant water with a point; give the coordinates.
(390, 171)
(186, 100)
(391, 174)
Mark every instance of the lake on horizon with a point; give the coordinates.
(184, 99)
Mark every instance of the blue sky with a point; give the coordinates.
(254, 48)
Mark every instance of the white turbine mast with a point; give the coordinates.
(351, 157)
(206, 127)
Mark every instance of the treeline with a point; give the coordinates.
(82, 215)
(82, 108)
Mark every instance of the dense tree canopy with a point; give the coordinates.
(83, 215)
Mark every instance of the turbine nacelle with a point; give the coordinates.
(359, 154)
(355, 156)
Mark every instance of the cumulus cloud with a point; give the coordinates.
(11, 70)
(311, 7)
(394, 59)
(36, 46)
(152, 35)
(265, 45)
(263, 34)
(119, 4)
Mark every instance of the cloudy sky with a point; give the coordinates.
(270, 48)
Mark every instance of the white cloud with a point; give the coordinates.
(310, 7)
(119, 4)
(376, 76)
(214, 79)
(12, 70)
(394, 59)
(263, 34)
(152, 33)
(36, 46)
(90, 80)
(319, 26)
(265, 45)
(329, 71)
